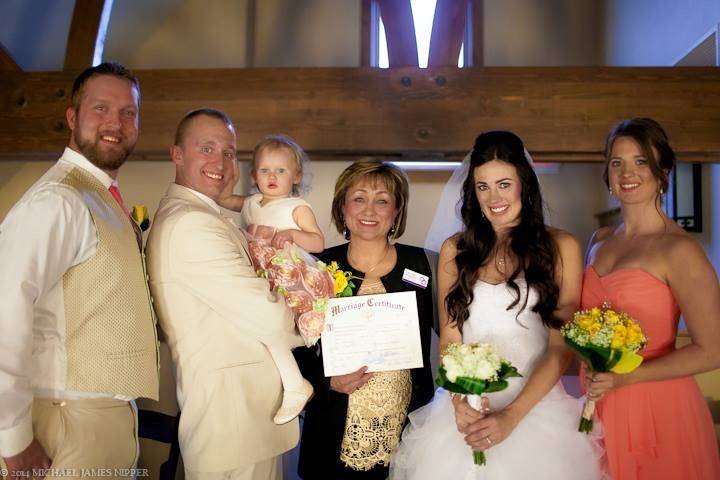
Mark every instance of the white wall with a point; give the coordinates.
(655, 32)
(543, 33)
(177, 33)
(35, 32)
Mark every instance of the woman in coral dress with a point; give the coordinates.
(656, 422)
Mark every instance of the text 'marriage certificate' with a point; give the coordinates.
(380, 331)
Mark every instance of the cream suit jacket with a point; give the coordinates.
(217, 315)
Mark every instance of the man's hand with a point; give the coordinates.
(350, 382)
(262, 231)
(22, 464)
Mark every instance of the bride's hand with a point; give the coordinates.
(465, 415)
(490, 430)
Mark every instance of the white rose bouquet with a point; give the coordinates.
(473, 369)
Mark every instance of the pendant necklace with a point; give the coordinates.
(500, 261)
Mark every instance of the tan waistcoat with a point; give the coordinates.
(111, 340)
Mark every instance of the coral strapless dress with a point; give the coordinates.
(653, 430)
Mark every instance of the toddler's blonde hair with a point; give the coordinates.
(278, 141)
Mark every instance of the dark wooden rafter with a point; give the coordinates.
(366, 32)
(477, 26)
(448, 31)
(87, 32)
(7, 62)
(400, 32)
(562, 113)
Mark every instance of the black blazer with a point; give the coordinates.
(324, 420)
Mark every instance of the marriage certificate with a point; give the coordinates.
(379, 331)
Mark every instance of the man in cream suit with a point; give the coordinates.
(217, 315)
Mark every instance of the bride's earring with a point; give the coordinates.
(345, 232)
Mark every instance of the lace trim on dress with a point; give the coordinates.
(376, 413)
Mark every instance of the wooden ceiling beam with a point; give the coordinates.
(7, 62)
(448, 31)
(399, 32)
(87, 32)
(477, 24)
(562, 113)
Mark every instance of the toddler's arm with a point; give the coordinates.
(227, 198)
(308, 237)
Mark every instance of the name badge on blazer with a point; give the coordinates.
(415, 278)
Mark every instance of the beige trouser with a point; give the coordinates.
(270, 469)
(87, 438)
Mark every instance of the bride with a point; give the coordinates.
(510, 280)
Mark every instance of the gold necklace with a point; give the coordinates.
(367, 272)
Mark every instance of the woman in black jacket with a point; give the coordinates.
(353, 423)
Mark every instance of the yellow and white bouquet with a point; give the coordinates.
(473, 369)
(608, 341)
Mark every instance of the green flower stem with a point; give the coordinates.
(479, 458)
(586, 426)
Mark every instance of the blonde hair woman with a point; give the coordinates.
(353, 423)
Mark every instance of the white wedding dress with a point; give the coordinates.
(545, 444)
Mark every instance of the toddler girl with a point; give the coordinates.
(277, 169)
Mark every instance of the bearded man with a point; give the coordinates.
(77, 333)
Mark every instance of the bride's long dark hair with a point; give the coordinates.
(530, 242)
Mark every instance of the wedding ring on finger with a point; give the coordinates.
(488, 440)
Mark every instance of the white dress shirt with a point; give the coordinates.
(48, 231)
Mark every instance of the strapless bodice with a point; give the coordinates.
(519, 336)
(642, 296)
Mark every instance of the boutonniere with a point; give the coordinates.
(140, 216)
(342, 279)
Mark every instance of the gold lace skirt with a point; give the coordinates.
(376, 413)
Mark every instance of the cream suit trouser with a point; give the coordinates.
(270, 469)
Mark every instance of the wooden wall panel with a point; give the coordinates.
(563, 114)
